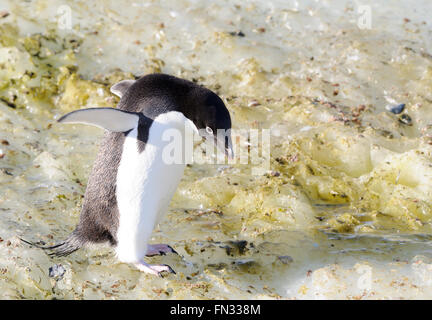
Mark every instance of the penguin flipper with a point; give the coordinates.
(121, 87)
(110, 119)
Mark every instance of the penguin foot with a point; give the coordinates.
(154, 269)
(159, 250)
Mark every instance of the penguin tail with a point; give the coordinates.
(61, 249)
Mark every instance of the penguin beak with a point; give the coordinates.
(224, 144)
(229, 149)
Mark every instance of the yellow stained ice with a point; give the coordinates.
(345, 209)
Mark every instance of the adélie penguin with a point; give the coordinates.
(131, 184)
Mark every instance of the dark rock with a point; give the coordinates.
(285, 259)
(396, 109)
(56, 271)
(237, 33)
(405, 119)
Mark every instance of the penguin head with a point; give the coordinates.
(212, 119)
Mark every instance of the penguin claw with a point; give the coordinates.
(156, 270)
(159, 249)
(170, 270)
(172, 250)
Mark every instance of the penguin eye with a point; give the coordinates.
(209, 130)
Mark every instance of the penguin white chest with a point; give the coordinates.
(145, 185)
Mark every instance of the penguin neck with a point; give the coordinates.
(173, 132)
(174, 120)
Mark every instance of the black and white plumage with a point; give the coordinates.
(130, 187)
